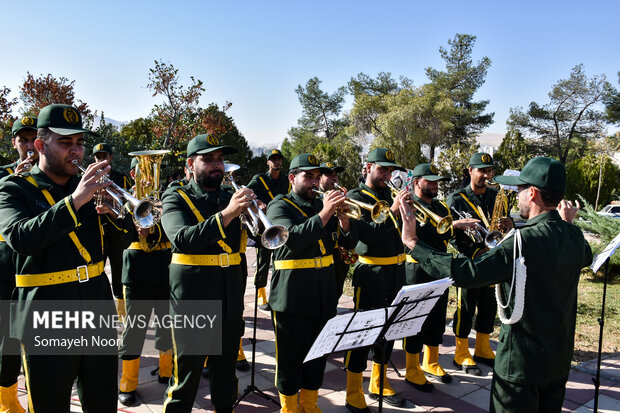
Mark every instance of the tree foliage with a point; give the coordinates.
(513, 152)
(176, 119)
(38, 92)
(320, 110)
(561, 127)
(612, 104)
(460, 80)
(582, 178)
(452, 162)
(6, 124)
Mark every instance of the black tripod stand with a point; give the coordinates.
(252, 387)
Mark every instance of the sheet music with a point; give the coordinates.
(411, 317)
(607, 252)
(362, 329)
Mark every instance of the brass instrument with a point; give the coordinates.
(29, 165)
(146, 213)
(148, 187)
(480, 234)
(251, 222)
(274, 236)
(378, 212)
(423, 214)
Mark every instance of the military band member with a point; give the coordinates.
(203, 225)
(329, 177)
(24, 134)
(378, 275)
(475, 201)
(115, 238)
(267, 186)
(425, 189)
(48, 217)
(303, 287)
(145, 290)
(536, 342)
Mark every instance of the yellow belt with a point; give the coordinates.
(317, 262)
(410, 259)
(1, 238)
(397, 259)
(221, 260)
(161, 246)
(82, 274)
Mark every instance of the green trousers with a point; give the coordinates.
(507, 397)
(263, 262)
(50, 378)
(142, 300)
(295, 334)
(468, 301)
(10, 358)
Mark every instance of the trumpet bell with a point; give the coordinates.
(444, 225)
(274, 237)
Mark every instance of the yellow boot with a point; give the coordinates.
(262, 299)
(205, 369)
(389, 395)
(120, 308)
(129, 382)
(165, 366)
(355, 400)
(462, 358)
(308, 400)
(242, 362)
(289, 404)
(482, 352)
(415, 376)
(8, 400)
(431, 366)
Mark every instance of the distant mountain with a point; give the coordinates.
(117, 123)
(263, 149)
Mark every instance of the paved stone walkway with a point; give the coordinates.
(465, 394)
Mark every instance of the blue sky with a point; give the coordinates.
(255, 53)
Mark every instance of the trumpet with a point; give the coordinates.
(274, 236)
(378, 212)
(29, 165)
(423, 214)
(480, 234)
(146, 212)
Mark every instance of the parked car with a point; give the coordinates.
(612, 210)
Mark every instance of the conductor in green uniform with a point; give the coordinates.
(267, 186)
(48, 217)
(378, 275)
(202, 222)
(115, 238)
(24, 134)
(476, 201)
(536, 342)
(303, 287)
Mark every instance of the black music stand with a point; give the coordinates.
(251, 388)
(397, 317)
(602, 259)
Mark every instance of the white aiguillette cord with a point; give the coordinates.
(517, 285)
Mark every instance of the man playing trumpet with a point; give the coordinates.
(303, 287)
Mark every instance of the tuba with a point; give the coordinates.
(147, 189)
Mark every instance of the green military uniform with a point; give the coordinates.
(471, 299)
(303, 287)
(193, 223)
(9, 169)
(534, 354)
(145, 290)
(266, 189)
(38, 221)
(378, 275)
(115, 238)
